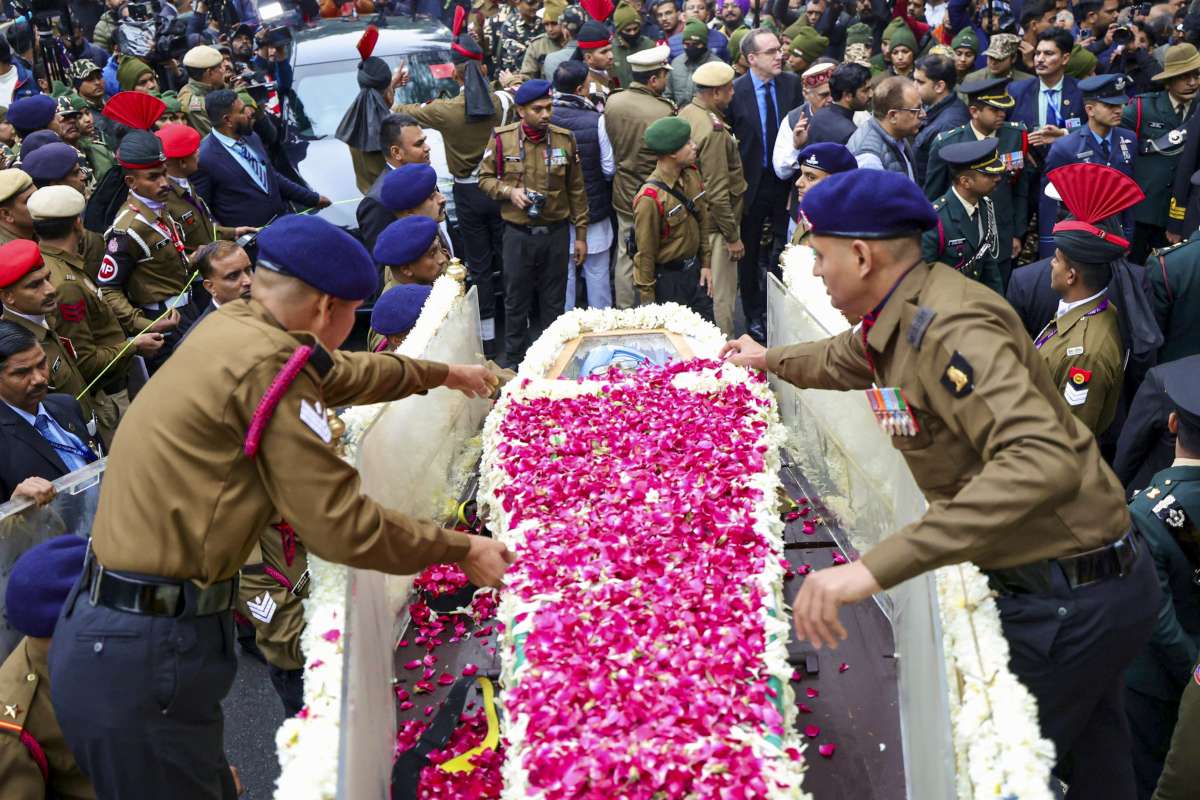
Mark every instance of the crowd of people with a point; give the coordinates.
(600, 155)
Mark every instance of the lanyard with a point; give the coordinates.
(163, 227)
(1052, 328)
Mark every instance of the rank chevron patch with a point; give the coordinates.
(262, 608)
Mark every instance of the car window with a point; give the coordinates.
(326, 90)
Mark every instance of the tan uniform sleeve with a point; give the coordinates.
(91, 249)
(646, 229)
(307, 481)
(716, 187)
(361, 378)
(429, 115)
(576, 194)
(131, 319)
(1029, 463)
(704, 208)
(1101, 394)
(834, 363)
(89, 357)
(19, 773)
(489, 182)
(529, 64)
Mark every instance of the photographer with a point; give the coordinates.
(16, 80)
(105, 33)
(1130, 53)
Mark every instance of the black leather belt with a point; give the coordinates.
(159, 597)
(537, 230)
(1113, 560)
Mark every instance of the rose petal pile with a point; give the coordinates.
(645, 655)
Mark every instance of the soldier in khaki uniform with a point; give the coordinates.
(205, 74)
(549, 42)
(626, 117)
(102, 351)
(15, 188)
(144, 273)
(34, 760)
(247, 434)
(1015, 483)
(671, 224)
(817, 162)
(724, 184)
(180, 146)
(31, 301)
(532, 169)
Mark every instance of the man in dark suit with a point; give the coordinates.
(403, 142)
(761, 98)
(236, 177)
(41, 435)
(1146, 445)
(1050, 105)
(227, 274)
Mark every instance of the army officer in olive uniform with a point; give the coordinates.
(966, 237)
(817, 162)
(143, 653)
(993, 446)
(532, 169)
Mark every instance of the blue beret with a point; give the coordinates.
(32, 113)
(405, 240)
(41, 579)
(50, 162)
(407, 187)
(319, 253)
(828, 157)
(37, 139)
(867, 204)
(532, 90)
(397, 310)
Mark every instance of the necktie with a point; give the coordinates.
(1104, 150)
(75, 448)
(245, 152)
(1052, 107)
(772, 125)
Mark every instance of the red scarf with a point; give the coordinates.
(532, 135)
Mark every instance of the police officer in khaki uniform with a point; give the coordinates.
(671, 224)
(724, 184)
(143, 652)
(30, 300)
(1015, 483)
(532, 169)
(181, 144)
(144, 272)
(34, 760)
(626, 117)
(205, 74)
(15, 188)
(102, 351)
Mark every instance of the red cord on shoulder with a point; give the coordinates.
(266, 406)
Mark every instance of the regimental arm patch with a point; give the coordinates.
(262, 608)
(72, 312)
(1076, 389)
(1170, 512)
(959, 376)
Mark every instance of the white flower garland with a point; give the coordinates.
(307, 746)
(796, 264)
(998, 747)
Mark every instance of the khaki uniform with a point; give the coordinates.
(725, 189)
(367, 168)
(465, 139)
(7, 235)
(195, 219)
(627, 115)
(535, 56)
(1181, 771)
(191, 421)
(191, 100)
(1083, 351)
(65, 376)
(143, 265)
(25, 710)
(522, 164)
(801, 234)
(671, 234)
(273, 583)
(1010, 475)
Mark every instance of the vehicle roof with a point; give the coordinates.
(335, 39)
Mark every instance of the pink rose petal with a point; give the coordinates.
(842, 667)
(811, 692)
(826, 750)
(812, 731)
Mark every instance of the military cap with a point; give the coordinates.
(202, 56)
(890, 29)
(695, 29)
(965, 39)
(592, 36)
(857, 53)
(712, 74)
(989, 91)
(407, 186)
(246, 98)
(650, 60)
(32, 113)
(979, 154)
(405, 240)
(397, 310)
(170, 99)
(1180, 60)
(530, 91)
(78, 103)
(808, 44)
(83, 69)
(18, 258)
(859, 33)
(50, 162)
(1108, 89)
(666, 135)
(1183, 389)
(56, 202)
(13, 181)
(318, 253)
(178, 141)
(624, 15)
(1003, 45)
(37, 139)
(867, 204)
(140, 150)
(58, 88)
(1081, 63)
(903, 37)
(793, 30)
(828, 157)
(40, 582)
(66, 108)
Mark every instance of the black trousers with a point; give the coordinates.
(138, 699)
(535, 269)
(680, 283)
(289, 685)
(482, 234)
(1070, 648)
(767, 207)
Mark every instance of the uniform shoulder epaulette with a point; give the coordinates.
(949, 131)
(512, 126)
(920, 325)
(561, 129)
(716, 121)
(939, 203)
(1162, 251)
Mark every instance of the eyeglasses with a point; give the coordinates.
(919, 111)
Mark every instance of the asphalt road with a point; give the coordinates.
(252, 715)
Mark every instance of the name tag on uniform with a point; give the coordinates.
(188, 218)
(161, 243)
(314, 417)
(892, 411)
(1073, 123)
(1075, 351)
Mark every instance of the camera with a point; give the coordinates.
(140, 12)
(537, 201)
(1122, 35)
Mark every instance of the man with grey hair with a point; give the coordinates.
(885, 140)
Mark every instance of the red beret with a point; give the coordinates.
(178, 141)
(18, 258)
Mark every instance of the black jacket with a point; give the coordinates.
(747, 127)
(579, 116)
(234, 197)
(1146, 446)
(23, 451)
(373, 216)
(833, 123)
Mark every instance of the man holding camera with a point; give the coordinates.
(532, 169)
